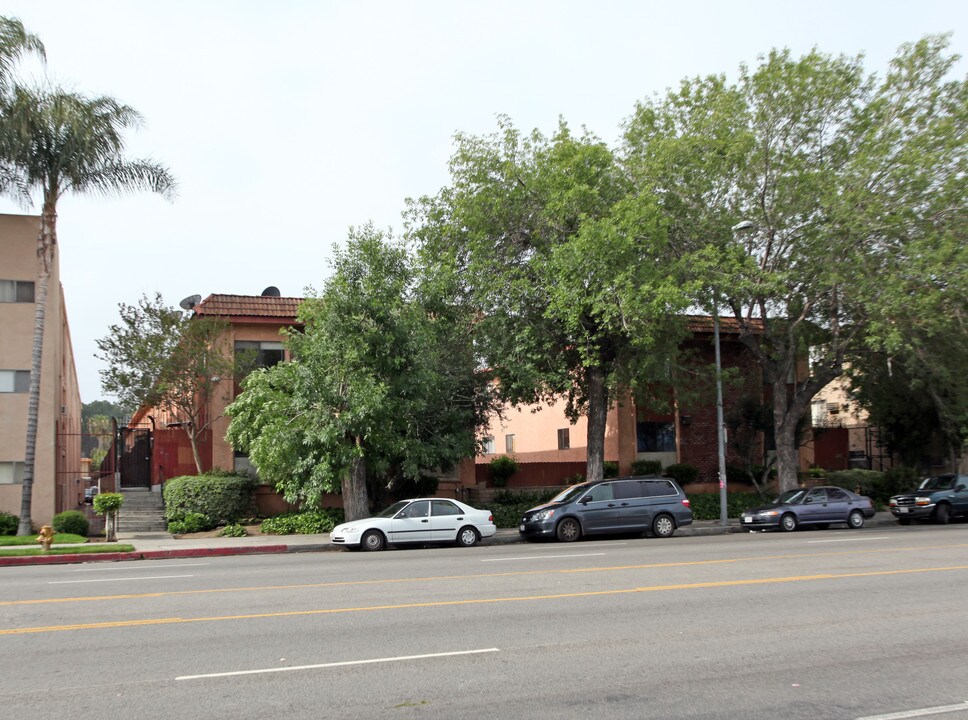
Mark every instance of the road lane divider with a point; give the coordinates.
(485, 601)
(344, 663)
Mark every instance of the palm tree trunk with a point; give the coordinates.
(46, 241)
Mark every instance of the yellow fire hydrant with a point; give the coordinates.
(46, 537)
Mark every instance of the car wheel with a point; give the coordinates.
(568, 530)
(373, 540)
(788, 523)
(467, 537)
(663, 526)
(942, 514)
(855, 520)
(904, 521)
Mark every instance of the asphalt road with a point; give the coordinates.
(815, 624)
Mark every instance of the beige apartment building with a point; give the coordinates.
(57, 469)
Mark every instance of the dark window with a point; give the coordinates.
(443, 507)
(628, 490)
(20, 291)
(419, 509)
(563, 439)
(655, 436)
(817, 495)
(659, 488)
(253, 354)
(601, 492)
(837, 494)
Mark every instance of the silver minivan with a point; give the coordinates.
(614, 505)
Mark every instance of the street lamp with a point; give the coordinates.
(720, 424)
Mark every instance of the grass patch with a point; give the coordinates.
(32, 539)
(85, 550)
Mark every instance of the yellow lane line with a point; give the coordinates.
(474, 576)
(478, 601)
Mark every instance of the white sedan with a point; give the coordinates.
(422, 520)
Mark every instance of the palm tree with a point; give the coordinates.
(61, 142)
(15, 42)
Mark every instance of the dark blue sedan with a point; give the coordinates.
(819, 507)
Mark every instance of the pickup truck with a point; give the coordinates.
(938, 498)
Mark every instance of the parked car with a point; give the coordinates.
(938, 498)
(818, 507)
(616, 505)
(419, 521)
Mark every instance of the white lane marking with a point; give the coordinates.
(338, 664)
(128, 569)
(541, 557)
(921, 712)
(853, 539)
(118, 579)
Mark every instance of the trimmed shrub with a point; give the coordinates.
(233, 531)
(71, 521)
(876, 485)
(308, 522)
(609, 469)
(508, 506)
(8, 523)
(682, 473)
(705, 506)
(647, 467)
(222, 497)
(502, 468)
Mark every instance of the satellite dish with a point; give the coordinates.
(190, 302)
(271, 291)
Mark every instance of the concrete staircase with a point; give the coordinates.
(143, 511)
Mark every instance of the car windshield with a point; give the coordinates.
(393, 509)
(791, 497)
(945, 482)
(570, 494)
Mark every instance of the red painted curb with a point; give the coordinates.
(141, 555)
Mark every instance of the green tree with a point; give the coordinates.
(383, 383)
(160, 357)
(567, 269)
(846, 182)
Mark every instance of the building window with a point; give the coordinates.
(509, 443)
(489, 445)
(11, 473)
(14, 381)
(16, 291)
(253, 354)
(655, 436)
(563, 439)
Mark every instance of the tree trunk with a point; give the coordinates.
(193, 439)
(785, 420)
(356, 503)
(46, 241)
(111, 526)
(597, 416)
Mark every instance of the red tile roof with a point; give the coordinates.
(257, 306)
(727, 324)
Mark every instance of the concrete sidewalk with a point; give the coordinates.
(162, 546)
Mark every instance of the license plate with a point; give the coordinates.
(904, 510)
(521, 528)
(747, 519)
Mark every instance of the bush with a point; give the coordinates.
(233, 531)
(706, 506)
(191, 523)
(307, 522)
(222, 497)
(107, 502)
(609, 469)
(8, 523)
(862, 481)
(502, 468)
(647, 467)
(876, 485)
(508, 506)
(682, 473)
(71, 521)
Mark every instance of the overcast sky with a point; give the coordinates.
(287, 122)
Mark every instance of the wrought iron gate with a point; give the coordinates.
(134, 457)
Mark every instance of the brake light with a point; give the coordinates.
(685, 501)
(490, 519)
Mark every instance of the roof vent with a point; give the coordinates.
(271, 291)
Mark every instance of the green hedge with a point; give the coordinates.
(71, 521)
(8, 523)
(706, 506)
(222, 498)
(508, 506)
(192, 522)
(308, 522)
(879, 486)
(682, 473)
(647, 467)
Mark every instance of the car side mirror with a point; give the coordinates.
(584, 500)
(959, 488)
(807, 501)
